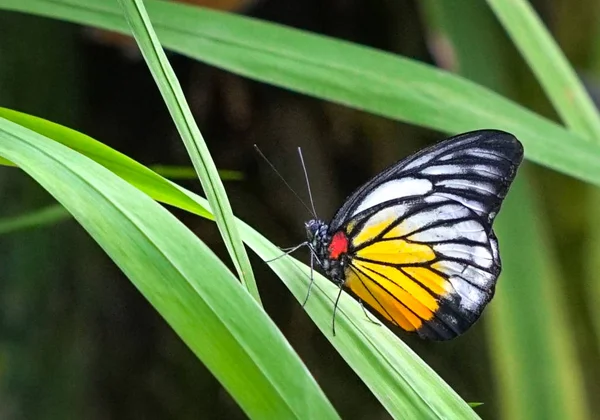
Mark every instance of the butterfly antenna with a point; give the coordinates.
(284, 181)
(312, 203)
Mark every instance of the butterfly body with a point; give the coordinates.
(416, 243)
(331, 250)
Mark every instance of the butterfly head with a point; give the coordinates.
(315, 230)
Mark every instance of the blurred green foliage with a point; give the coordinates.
(77, 341)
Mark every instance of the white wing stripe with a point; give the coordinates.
(465, 184)
(486, 171)
(472, 297)
(477, 153)
(391, 190)
(467, 229)
(476, 206)
(418, 162)
(423, 218)
(474, 275)
(443, 170)
(475, 254)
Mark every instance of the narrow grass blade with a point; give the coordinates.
(339, 71)
(46, 216)
(531, 336)
(592, 254)
(168, 171)
(403, 383)
(188, 172)
(532, 343)
(180, 276)
(167, 82)
(572, 102)
(550, 66)
(592, 264)
(137, 175)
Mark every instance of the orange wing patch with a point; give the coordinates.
(419, 300)
(429, 271)
(433, 281)
(375, 225)
(384, 276)
(397, 251)
(395, 296)
(370, 231)
(377, 298)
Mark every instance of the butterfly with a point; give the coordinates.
(415, 243)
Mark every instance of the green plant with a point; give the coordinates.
(124, 220)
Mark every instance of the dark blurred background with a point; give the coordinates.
(76, 338)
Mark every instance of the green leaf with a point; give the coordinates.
(574, 105)
(188, 172)
(559, 80)
(531, 338)
(577, 109)
(45, 216)
(339, 71)
(402, 382)
(125, 167)
(180, 276)
(592, 263)
(171, 91)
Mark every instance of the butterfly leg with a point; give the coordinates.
(312, 278)
(367, 314)
(335, 310)
(287, 251)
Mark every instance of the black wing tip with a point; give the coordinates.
(437, 330)
(490, 133)
(504, 140)
(499, 136)
(452, 320)
(506, 143)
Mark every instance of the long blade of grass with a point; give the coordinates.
(168, 171)
(549, 64)
(342, 72)
(188, 172)
(137, 175)
(400, 380)
(45, 216)
(572, 102)
(171, 91)
(403, 383)
(592, 264)
(180, 276)
(531, 339)
(592, 256)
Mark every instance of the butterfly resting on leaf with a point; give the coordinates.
(415, 243)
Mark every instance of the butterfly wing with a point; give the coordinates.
(422, 250)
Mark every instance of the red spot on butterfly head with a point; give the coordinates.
(338, 245)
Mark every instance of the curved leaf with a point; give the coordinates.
(180, 276)
(404, 384)
(339, 71)
(169, 87)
